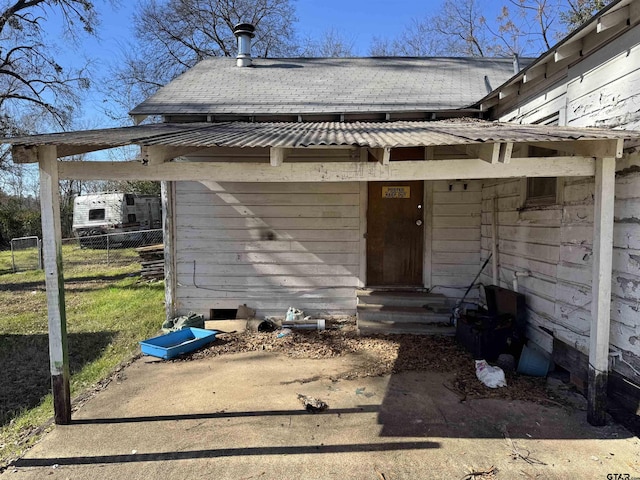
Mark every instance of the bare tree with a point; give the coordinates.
(332, 43)
(416, 40)
(460, 28)
(173, 35)
(32, 81)
(460, 25)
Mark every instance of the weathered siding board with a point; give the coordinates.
(528, 241)
(455, 237)
(269, 246)
(260, 211)
(601, 90)
(283, 235)
(596, 97)
(550, 102)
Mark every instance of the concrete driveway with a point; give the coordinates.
(238, 416)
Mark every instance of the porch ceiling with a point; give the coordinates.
(304, 135)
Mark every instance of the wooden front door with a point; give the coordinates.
(395, 233)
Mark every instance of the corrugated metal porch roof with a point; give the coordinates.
(296, 135)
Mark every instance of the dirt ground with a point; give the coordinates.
(385, 355)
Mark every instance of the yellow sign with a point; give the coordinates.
(396, 192)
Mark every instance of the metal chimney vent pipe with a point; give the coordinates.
(244, 34)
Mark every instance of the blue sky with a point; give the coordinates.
(359, 21)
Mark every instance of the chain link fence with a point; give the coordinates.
(26, 254)
(111, 249)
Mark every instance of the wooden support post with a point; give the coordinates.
(52, 252)
(601, 290)
(168, 232)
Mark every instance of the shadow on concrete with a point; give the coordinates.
(218, 415)
(227, 452)
(425, 404)
(25, 376)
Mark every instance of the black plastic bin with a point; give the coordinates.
(485, 335)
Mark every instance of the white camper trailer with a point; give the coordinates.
(98, 214)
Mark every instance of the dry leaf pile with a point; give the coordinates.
(384, 354)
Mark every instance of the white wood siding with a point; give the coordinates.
(455, 236)
(268, 246)
(528, 241)
(555, 244)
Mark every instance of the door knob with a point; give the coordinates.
(419, 222)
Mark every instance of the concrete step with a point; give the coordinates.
(403, 314)
(401, 298)
(366, 327)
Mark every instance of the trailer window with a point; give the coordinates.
(96, 214)
(129, 199)
(131, 218)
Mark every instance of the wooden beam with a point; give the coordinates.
(488, 152)
(505, 152)
(156, 154)
(492, 152)
(54, 281)
(22, 154)
(613, 19)
(331, 171)
(386, 156)
(277, 156)
(167, 195)
(534, 73)
(489, 102)
(601, 290)
(569, 50)
(586, 148)
(509, 90)
(383, 155)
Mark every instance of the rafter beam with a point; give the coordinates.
(613, 19)
(277, 156)
(569, 50)
(157, 154)
(383, 155)
(586, 148)
(492, 152)
(509, 90)
(534, 73)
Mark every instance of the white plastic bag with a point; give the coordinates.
(294, 315)
(492, 377)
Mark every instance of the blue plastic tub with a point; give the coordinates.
(533, 362)
(177, 343)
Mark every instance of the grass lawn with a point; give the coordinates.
(108, 311)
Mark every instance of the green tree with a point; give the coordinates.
(580, 11)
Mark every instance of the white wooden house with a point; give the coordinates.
(301, 181)
(592, 79)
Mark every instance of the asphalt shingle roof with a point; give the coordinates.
(216, 86)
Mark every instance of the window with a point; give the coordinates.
(96, 214)
(131, 218)
(129, 199)
(540, 191)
